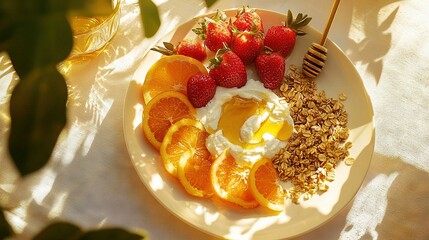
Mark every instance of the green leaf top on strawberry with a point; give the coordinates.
(282, 38)
(215, 31)
(246, 18)
(270, 67)
(190, 48)
(227, 69)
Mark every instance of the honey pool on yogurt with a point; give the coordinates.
(251, 121)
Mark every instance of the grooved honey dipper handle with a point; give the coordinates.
(329, 22)
(314, 59)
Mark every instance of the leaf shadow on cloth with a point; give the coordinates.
(389, 205)
(369, 38)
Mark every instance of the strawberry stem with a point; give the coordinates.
(300, 21)
(168, 49)
(215, 62)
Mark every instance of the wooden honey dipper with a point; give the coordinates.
(314, 59)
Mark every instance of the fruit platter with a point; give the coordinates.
(230, 136)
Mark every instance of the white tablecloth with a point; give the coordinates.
(90, 179)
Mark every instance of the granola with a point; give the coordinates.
(319, 141)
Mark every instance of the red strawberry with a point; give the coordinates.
(201, 89)
(247, 45)
(282, 38)
(270, 68)
(246, 18)
(227, 69)
(190, 48)
(214, 31)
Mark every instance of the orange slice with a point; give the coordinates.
(264, 186)
(186, 135)
(184, 152)
(162, 112)
(170, 73)
(193, 171)
(230, 181)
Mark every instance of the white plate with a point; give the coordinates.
(339, 76)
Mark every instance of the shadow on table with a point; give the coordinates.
(391, 204)
(371, 36)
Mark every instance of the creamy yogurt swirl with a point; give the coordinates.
(252, 122)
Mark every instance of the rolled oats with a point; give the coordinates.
(319, 141)
(349, 161)
(342, 97)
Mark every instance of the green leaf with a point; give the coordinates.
(69, 231)
(111, 234)
(80, 7)
(59, 231)
(209, 3)
(85, 7)
(5, 229)
(289, 18)
(150, 17)
(6, 22)
(30, 14)
(168, 45)
(40, 41)
(38, 114)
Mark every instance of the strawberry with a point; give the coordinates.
(247, 44)
(190, 48)
(215, 31)
(227, 69)
(201, 88)
(270, 68)
(282, 38)
(246, 18)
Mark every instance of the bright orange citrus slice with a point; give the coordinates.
(193, 171)
(186, 135)
(170, 73)
(162, 112)
(264, 186)
(230, 181)
(184, 153)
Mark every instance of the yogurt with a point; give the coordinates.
(252, 122)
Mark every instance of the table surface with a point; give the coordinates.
(91, 180)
